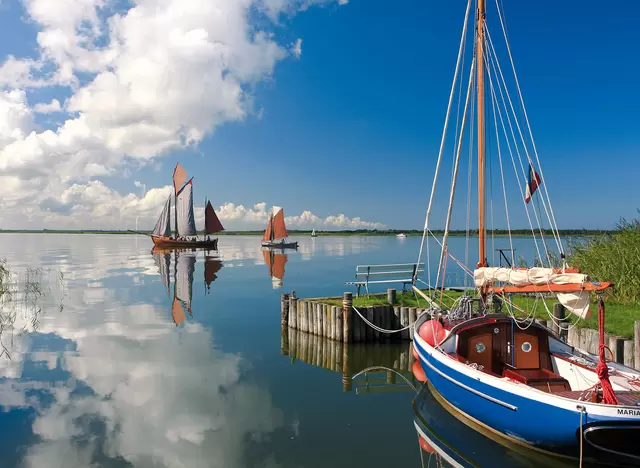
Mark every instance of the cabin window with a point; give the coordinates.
(480, 347)
(526, 346)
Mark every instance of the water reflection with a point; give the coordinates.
(116, 383)
(275, 261)
(184, 269)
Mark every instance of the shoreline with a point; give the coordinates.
(292, 233)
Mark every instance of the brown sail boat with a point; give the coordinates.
(276, 229)
(185, 225)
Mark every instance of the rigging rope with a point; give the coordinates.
(455, 172)
(444, 133)
(533, 143)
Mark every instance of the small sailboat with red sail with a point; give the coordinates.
(185, 234)
(277, 230)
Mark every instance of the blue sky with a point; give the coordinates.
(353, 125)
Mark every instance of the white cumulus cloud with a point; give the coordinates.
(138, 82)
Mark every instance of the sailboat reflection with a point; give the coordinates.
(275, 262)
(449, 439)
(184, 268)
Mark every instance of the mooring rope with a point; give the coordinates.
(373, 368)
(382, 330)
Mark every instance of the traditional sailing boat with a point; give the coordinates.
(275, 262)
(185, 226)
(313, 233)
(512, 376)
(276, 229)
(184, 269)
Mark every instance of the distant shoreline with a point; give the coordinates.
(387, 233)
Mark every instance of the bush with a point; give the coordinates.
(613, 257)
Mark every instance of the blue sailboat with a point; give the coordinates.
(514, 377)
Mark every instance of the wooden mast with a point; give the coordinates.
(481, 133)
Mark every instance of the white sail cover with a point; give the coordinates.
(576, 302)
(185, 267)
(163, 227)
(186, 220)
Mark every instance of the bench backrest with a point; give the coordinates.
(391, 271)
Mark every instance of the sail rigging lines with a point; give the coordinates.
(510, 135)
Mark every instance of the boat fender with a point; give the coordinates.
(418, 372)
(424, 445)
(432, 332)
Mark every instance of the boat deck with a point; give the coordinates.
(626, 398)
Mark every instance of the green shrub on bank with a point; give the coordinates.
(613, 257)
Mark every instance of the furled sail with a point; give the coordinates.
(185, 267)
(186, 219)
(163, 226)
(279, 228)
(570, 288)
(211, 222)
(522, 277)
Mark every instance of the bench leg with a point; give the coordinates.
(357, 290)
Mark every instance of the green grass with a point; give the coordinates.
(619, 318)
(613, 257)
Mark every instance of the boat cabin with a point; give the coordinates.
(499, 347)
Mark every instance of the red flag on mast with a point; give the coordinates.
(532, 184)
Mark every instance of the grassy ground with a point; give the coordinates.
(619, 318)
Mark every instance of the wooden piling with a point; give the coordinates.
(324, 308)
(369, 330)
(284, 340)
(318, 319)
(391, 296)
(339, 325)
(636, 344)
(629, 354)
(395, 321)
(284, 308)
(404, 321)
(616, 345)
(293, 310)
(413, 316)
(347, 301)
(558, 317)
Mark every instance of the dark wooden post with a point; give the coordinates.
(293, 309)
(558, 317)
(636, 344)
(284, 309)
(391, 296)
(347, 302)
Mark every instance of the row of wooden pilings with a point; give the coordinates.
(349, 358)
(319, 317)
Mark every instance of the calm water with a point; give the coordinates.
(97, 370)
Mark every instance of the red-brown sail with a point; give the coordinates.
(179, 176)
(279, 260)
(211, 267)
(267, 232)
(211, 222)
(177, 311)
(275, 262)
(279, 228)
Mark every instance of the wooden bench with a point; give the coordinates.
(402, 273)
